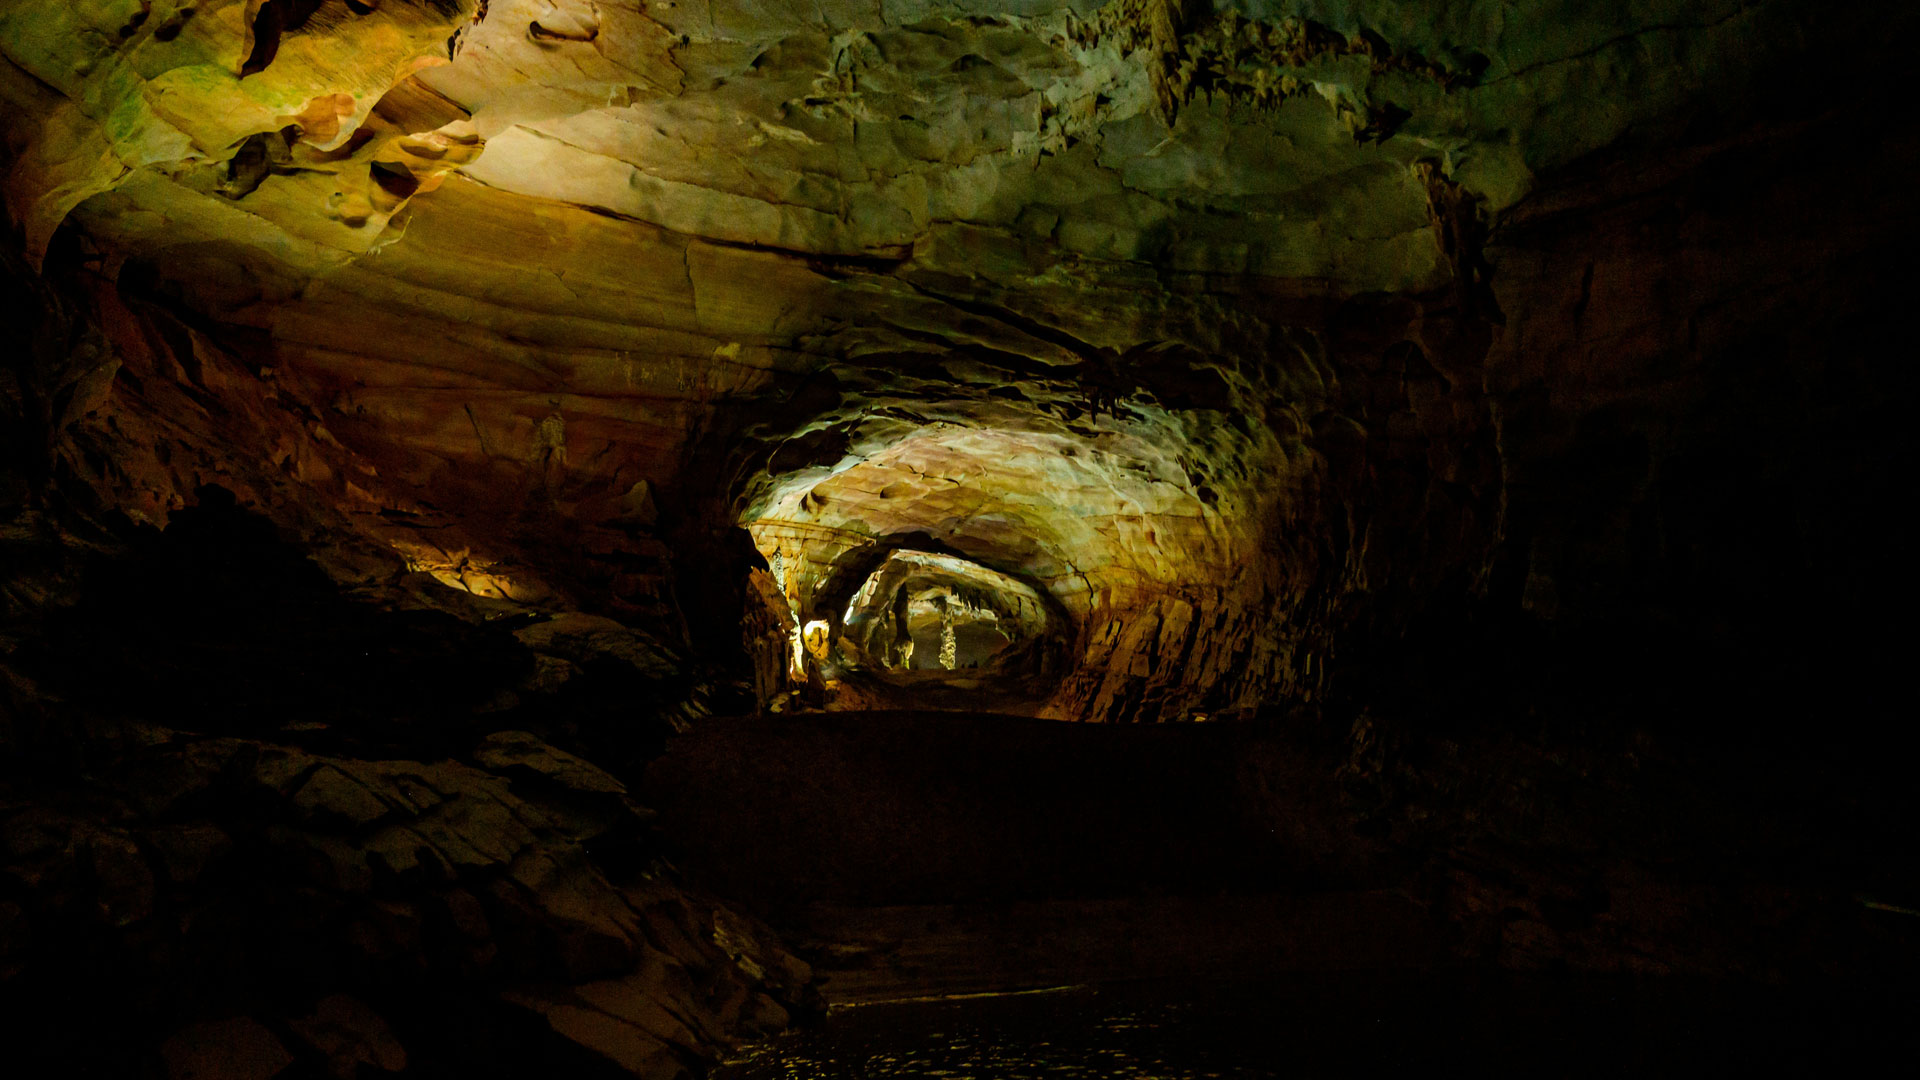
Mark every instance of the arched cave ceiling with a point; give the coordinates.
(1171, 308)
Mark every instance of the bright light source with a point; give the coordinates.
(816, 635)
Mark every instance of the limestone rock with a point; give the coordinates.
(1436, 379)
(442, 871)
(236, 1049)
(508, 751)
(714, 986)
(579, 639)
(124, 880)
(350, 1034)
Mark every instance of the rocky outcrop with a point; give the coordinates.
(1502, 398)
(278, 829)
(587, 285)
(320, 895)
(126, 89)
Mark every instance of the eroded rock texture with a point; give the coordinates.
(1213, 281)
(256, 819)
(1508, 397)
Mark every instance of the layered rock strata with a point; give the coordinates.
(1507, 401)
(547, 276)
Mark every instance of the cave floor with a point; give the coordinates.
(868, 955)
(1448, 1021)
(997, 896)
(889, 809)
(973, 691)
(918, 854)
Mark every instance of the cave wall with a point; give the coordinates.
(1681, 665)
(276, 802)
(1691, 401)
(1716, 388)
(1504, 406)
(566, 303)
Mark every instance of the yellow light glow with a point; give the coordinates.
(461, 571)
(816, 635)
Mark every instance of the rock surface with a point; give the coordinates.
(423, 409)
(282, 830)
(1182, 312)
(362, 872)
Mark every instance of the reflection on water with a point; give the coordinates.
(1078, 1033)
(1007, 1038)
(1329, 1026)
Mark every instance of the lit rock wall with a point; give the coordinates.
(1177, 310)
(130, 88)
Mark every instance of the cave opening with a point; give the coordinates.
(547, 537)
(1058, 551)
(948, 632)
(921, 612)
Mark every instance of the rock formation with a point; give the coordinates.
(1491, 395)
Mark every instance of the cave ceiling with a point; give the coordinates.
(1106, 295)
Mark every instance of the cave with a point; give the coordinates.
(996, 538)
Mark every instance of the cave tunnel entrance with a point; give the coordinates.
(948, 634)
(1019, 564)
(928, 612)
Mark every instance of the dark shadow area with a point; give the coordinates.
(915, 807)
(204, 816)
(217, 625)
(1348, 1024)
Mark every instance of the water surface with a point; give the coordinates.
(1335, 1026)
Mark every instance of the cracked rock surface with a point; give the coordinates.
(420, 411)
(514, 270)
